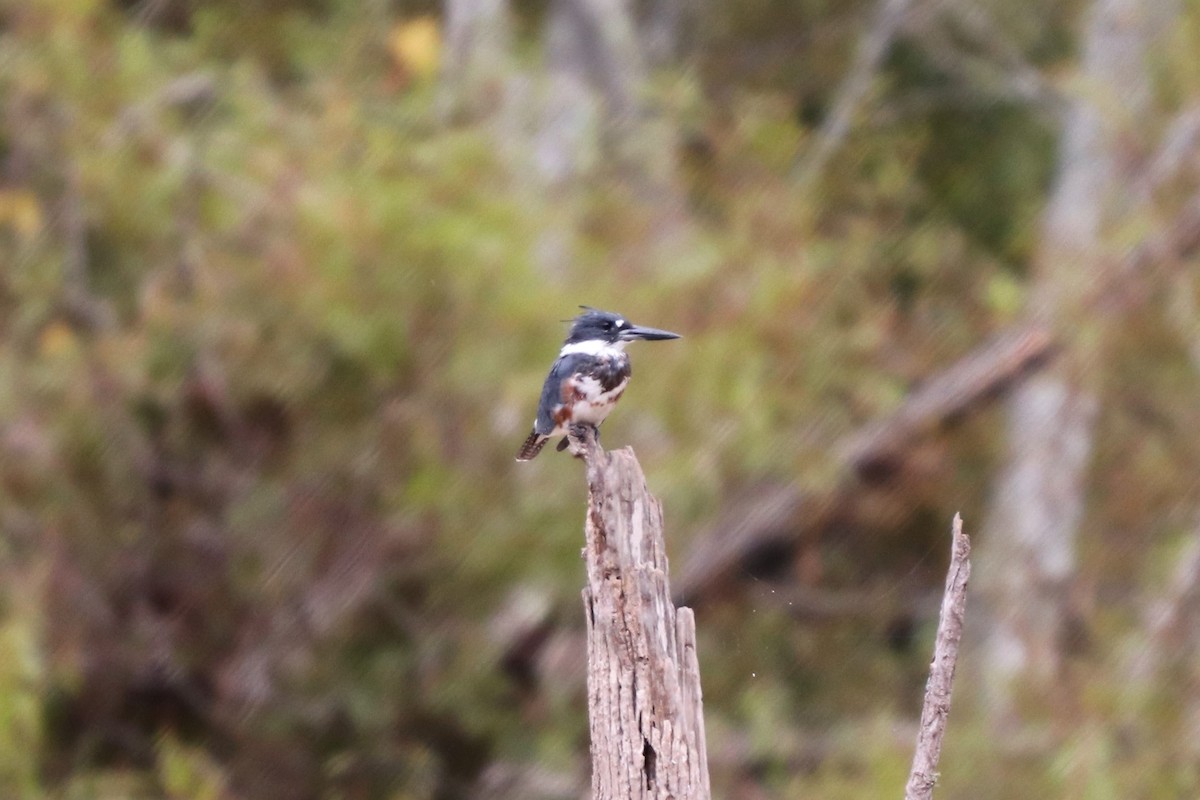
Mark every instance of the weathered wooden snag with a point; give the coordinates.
(644, 701)
(924, 775)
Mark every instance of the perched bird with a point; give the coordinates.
(588, 378)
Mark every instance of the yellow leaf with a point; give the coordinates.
(19, 209)
(56, 339)
(416, 45)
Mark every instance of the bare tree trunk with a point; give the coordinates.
(595, 78)
(1031, 533)
(595, 114)
(478, 41)
(644, 702)
(594, 39)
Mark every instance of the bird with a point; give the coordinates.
(588, 378)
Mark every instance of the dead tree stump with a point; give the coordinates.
(644, 701)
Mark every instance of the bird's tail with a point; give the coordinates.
(533, 445)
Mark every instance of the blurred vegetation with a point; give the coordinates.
(271, 331)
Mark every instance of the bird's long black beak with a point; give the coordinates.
(649, 334)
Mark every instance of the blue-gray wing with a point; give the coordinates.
(552, 391)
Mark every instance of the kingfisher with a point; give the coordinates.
(588, 378)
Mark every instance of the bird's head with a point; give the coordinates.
(605, 326)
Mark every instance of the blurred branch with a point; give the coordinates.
(975, 20)
(1172, 619)
(980, 375)
(1177, 151)
(771, 520)
(194, 95)
(984, 71)
(999, 70)
(936, 709)
(872, 49)
(1144, 267)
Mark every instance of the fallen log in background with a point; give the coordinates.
(772, 521)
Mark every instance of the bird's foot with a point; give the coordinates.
(581, 437)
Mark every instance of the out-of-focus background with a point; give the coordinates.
(280, 281)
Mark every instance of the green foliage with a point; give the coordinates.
(188, 773)
(21, 688)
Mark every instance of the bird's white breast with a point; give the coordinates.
(595, 403)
